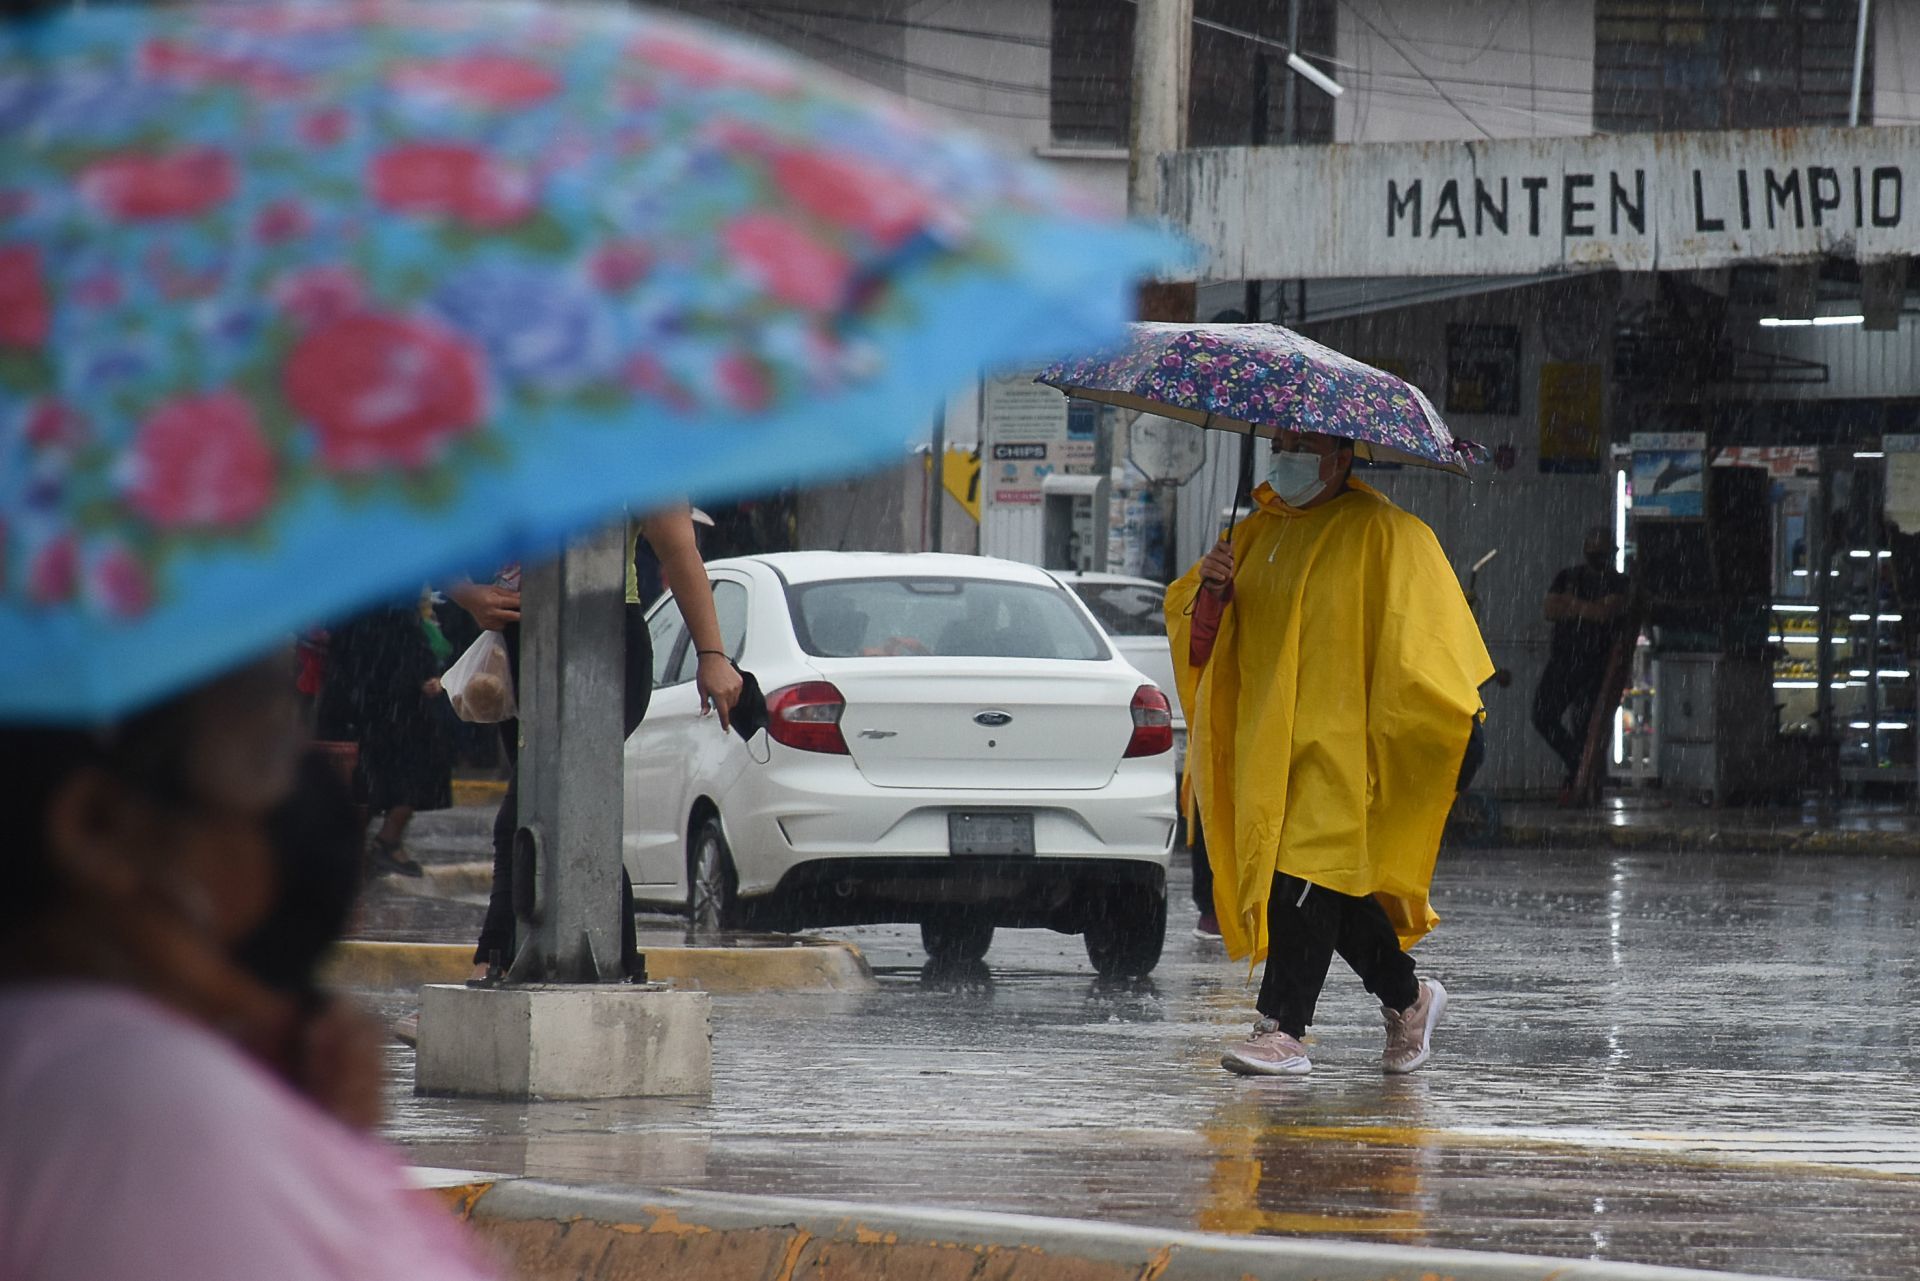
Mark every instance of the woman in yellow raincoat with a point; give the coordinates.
(1329, 730)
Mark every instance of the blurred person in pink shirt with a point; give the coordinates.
(165, 1111)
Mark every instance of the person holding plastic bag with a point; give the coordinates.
(496, 607)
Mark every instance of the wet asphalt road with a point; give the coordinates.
(1704, 1061)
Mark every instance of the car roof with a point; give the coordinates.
(822, 566)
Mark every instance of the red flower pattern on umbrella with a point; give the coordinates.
(54, 570)
(709, 67)
(837, 189)
(488, 79)
(790, 261)
(384, 390)
(200, 462)
(136, 187)
(54, 424)
(26, 313)
(453, 181)
(118, 583)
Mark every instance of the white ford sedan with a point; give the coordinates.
(952, 741)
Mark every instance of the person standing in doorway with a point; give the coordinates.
(1332, 716)
(1585, 605)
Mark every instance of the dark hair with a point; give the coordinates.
(148, 751)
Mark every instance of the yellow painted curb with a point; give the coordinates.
(803, 967)
(478, 791)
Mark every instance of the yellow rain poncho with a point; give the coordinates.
(1327, 728)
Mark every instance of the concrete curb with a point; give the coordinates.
(553, 1231)
(800, 967)
(1682, 840)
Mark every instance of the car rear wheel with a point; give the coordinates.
(713, 902)
(949, 939)
(1127, 931)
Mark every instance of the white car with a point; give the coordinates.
(1133, 612)
(952, 742)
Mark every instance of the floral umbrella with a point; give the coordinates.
(303, 303)
(1258, 379)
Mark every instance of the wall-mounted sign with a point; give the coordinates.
(1483, 369)
(1573, 434)
(1669, 473)
(1633, 202)
(1023, 433)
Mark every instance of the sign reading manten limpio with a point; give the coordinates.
(1636, 202)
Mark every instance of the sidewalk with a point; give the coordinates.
(1655, 821)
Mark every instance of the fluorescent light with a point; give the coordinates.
(1796, 684)
(1871, 453)
(1804, 322)
(1857, 554)
(1839, 320)
(1797, 609)
(1859, 618)
(1320, 81)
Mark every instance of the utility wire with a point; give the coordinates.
(876, 20)
(1396, 47)
(885, 59)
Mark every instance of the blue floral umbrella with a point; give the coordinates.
(1257, 379)
(303, 303)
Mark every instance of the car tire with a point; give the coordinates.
(713, 886)
(949, 939)
(1127, 931)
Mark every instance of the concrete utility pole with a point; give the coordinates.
(1162, 65)
(1162, 72)
(565, 1027)
(572, 691)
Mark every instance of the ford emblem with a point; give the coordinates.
(992, 720)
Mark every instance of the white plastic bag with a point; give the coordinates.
(480, 683)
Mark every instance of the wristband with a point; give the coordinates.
(717, 653)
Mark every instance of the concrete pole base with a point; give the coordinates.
(564, 1041)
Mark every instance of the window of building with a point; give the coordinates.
(1725, 64)
(1093, 73)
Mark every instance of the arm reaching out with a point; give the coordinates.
(670, 533)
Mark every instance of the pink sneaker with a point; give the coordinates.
(1410, 1032)
(1268, 1052)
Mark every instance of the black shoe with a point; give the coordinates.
(384, 859)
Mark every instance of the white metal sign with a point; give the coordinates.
(1633, 202)
(1166, 451)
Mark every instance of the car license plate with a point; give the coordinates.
(989, 833)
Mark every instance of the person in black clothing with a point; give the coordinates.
(1585, 605)
(382, 690)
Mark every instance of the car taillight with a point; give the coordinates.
(1152, 723)
(807, 716)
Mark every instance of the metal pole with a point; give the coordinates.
(1290, 104)
(937, 492)
(1859, 60)
(1822, 564)
(571, 693)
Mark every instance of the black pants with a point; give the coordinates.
(497, 932)
(1567, 685)
(1202, 868)
(1306, 925)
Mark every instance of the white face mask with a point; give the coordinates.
(1295, 477)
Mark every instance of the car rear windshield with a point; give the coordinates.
(942, 617)
(1126, 609)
